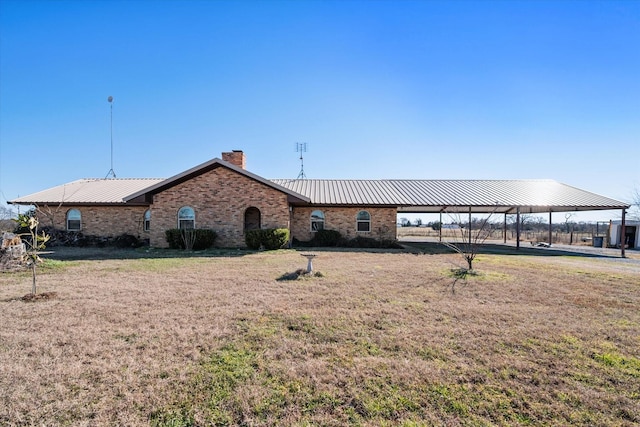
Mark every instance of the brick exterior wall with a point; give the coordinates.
(220, 198)
(106, 221)
(343, 219)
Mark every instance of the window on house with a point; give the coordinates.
(74, 220)
(252, 219)
(317, 220)
(186, 218)
(363, 221)
(147, 220)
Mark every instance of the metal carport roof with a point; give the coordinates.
(433, 196)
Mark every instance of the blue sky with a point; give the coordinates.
(377, 89)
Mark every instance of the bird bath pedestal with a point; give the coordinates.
(309, 257)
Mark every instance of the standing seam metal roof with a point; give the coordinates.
(89, 191)
(434, 195)
(407, 195)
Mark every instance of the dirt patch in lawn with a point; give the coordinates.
(44, 296)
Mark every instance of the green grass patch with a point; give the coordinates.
(627, 365)
(242, 383)
(211, 393)
(462, 273)
(54, 265)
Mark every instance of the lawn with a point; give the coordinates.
(378, 338)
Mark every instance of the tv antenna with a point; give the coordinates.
(301, 147)
(111, 171)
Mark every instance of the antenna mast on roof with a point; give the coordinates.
(301, 147)
(111, 171)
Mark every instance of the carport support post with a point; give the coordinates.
(469, 226)
(623, 233)
(440, 229)
(550, 229)
(518, 229)
(504, 229)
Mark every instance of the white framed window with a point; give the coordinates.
(146, 225)
(363, 221)
(74, 220)
(186, 217)
(317, 221)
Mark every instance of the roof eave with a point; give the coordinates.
(505, 209)
(43, 203)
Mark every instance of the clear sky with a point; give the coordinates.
(377, 89)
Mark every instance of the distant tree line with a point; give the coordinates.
(528, 222)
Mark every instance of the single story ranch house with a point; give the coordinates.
(222, 195)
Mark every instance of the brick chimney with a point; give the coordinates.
(235, 157)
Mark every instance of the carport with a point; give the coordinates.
(506, 197)
(456, 196)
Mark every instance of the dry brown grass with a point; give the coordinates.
(379, 339)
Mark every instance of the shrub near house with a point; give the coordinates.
(269, 239)
(191, 239)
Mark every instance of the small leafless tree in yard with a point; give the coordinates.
(35, 243)
(470, 238)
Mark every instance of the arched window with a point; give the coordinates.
(252, 219)
(186, 218)
(317, 221)
(74, 220)
(147, 220)
(363, 221)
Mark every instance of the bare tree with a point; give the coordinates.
(635, 205)
(568, 224)
(6, 215)
(188, 238)
(404, 222)
(472, 235)
(6, 212)
(49, 212)
(35, 243)
(526, 220)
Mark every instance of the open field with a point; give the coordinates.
(136, 338)
(578, 238)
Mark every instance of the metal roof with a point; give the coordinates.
(207, 166)
(89, 191)
(419, 196)
(531, 196)
(130, 191)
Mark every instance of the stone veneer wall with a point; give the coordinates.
(219, 198)
(343, 219)
(105, 221)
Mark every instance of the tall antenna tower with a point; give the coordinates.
(301, 147)
(111, 172)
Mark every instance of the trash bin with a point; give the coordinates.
(598, 241)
